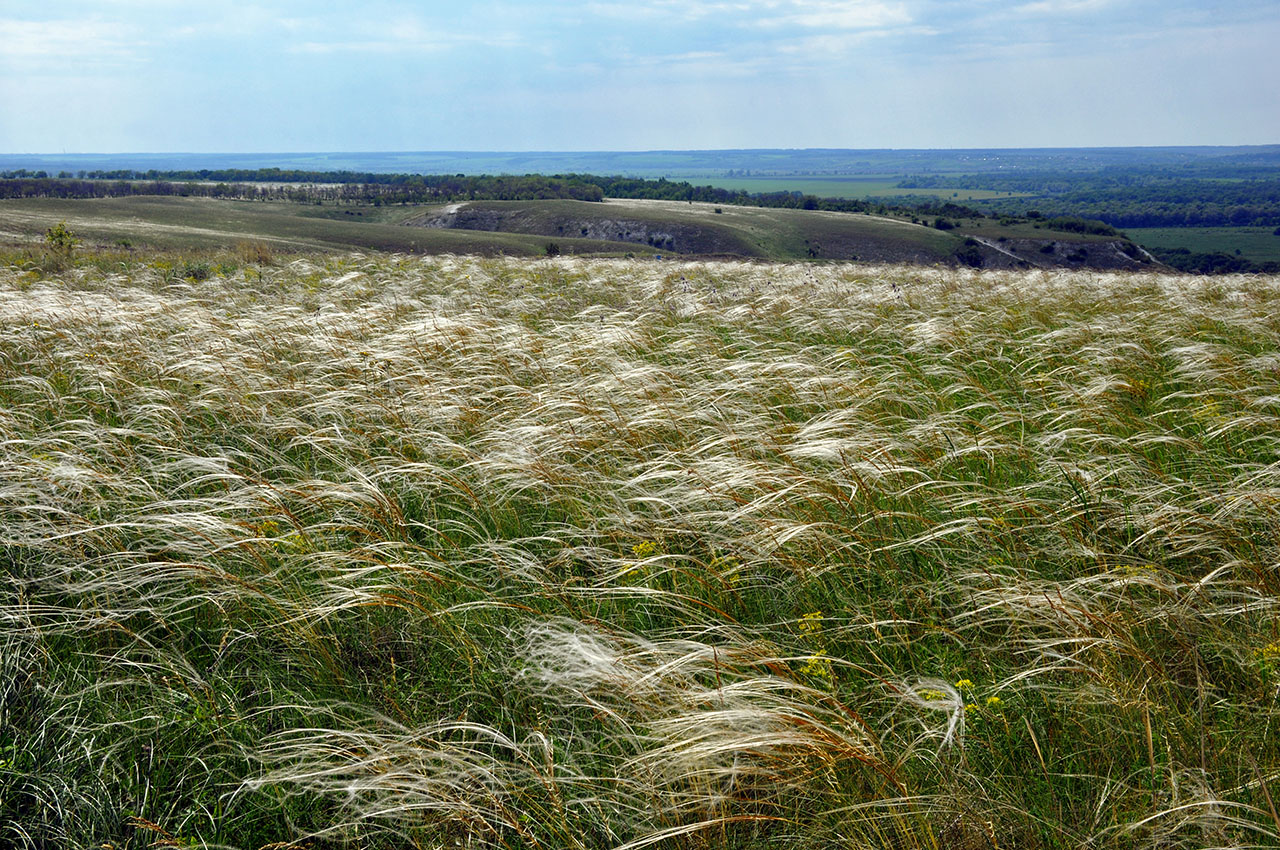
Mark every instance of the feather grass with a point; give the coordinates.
(385, 551)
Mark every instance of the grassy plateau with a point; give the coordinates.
(195, 224)
(825, 186)
(1259, 244)
(612, 228)
(378, 551)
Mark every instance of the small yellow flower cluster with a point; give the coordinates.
(644, 549)
(1270, 652)
(1139, 569)
(725, 564)
(968, 690)
(819, 667)
(728, 568)
(1209, 411)
(811, 623)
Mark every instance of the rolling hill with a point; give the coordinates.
(613, 227)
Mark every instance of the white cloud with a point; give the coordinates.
(809, 14)
(1061, 7)
(828, 15)
(66, 41)
(830, 44)
(668, 9)
(404, 35)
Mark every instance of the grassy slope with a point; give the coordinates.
(424, 552)
(1259, 244)
(787, 234)
(751, 231)
(196, 223)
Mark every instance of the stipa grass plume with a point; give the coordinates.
(640, 740)
(723, 718)
(472, 779)
(393, 550)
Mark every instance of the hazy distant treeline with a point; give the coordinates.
(346, 187)
(272, 184)
(1129, 199)
(275, 185)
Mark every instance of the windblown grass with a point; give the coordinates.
(390, 552)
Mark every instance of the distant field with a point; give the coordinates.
(616, 227)
(1259, 244)
(201, 223)
(865, 163)
(840, 187)
(169, 223)
(680, 227)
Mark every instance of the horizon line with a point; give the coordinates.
(455, 151)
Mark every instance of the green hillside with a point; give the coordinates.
(706, 229)
(174, 223)
(614, 227)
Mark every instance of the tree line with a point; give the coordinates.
(272, 184)
(1154, 199)
(267, 185)
(344, 187)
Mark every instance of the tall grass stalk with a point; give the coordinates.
(378, 551)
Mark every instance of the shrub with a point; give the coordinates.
(60, 244)
(1072, 224)
(969, 254)
(59, 239)
(256, 252)
(196, 270)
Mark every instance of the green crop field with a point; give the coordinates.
(379, 551)
(1259, 244)
(841, 187)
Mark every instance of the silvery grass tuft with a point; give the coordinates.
(384, 551)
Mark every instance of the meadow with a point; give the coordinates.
(191, 225)
(188, 226)
(369, 550)
(836, 186)
(1260, 244)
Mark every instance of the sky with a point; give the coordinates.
(586, 75)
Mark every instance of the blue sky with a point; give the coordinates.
(157, 75)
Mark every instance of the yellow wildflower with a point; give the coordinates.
(644, 549)
(1270, 652)
(819, 667)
